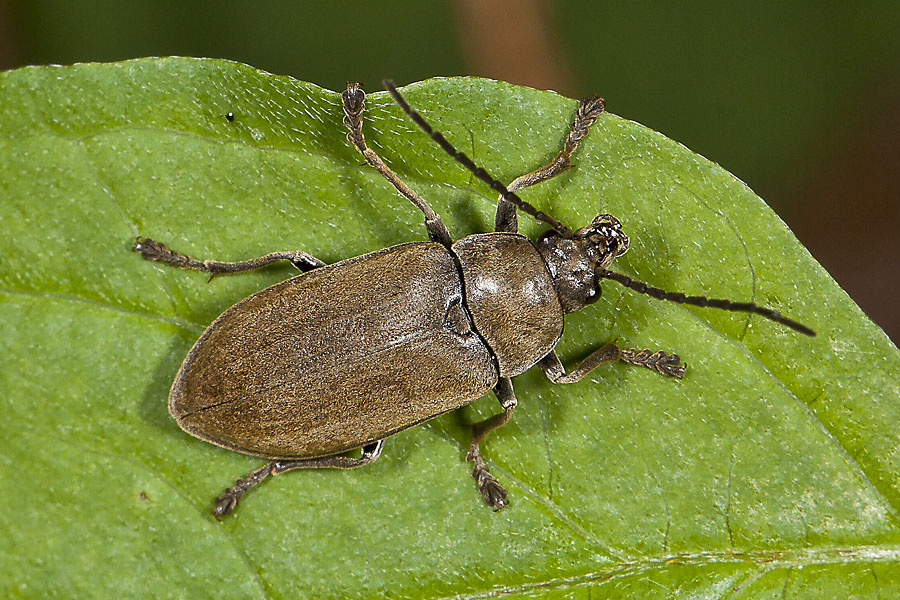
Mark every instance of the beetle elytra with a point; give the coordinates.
(345, 355)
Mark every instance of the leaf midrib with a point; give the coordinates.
(767, 561)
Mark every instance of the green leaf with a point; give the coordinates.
(770, 470)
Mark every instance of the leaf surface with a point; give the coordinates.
(770, 470)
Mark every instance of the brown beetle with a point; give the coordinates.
(345, 355)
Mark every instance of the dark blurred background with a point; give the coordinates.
(799, 99)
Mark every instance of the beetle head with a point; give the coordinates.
(573, 260)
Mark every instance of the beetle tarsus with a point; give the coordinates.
(493, 493)
(153, 250)
(662, 362)
(159, 252)
(225, 504)
(229, 499)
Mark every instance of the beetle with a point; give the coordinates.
(345, 355)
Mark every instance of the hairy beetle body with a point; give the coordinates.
(344, 356)
(356, 351)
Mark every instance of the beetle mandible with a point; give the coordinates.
(343, 356)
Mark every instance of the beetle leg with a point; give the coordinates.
(231, 496)
(493, 493)
(153, 250)
(662, 362)
(353, 100)
(588, 111)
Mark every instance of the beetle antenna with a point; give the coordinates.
(467, 162)
(749, 307)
